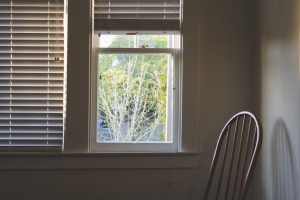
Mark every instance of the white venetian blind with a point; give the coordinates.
(31, 74)
(137, 15)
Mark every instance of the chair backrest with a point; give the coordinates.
(234, 159)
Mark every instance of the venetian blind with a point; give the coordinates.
(32, 74)
(137, 15)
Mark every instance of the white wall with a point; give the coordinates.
(278, 58)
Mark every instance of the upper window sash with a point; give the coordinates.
(170, 51)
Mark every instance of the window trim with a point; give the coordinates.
(80, 50)
(158, 147)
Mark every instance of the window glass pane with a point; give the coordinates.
(135, 41)
(132, 98)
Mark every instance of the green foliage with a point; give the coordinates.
(122, 41)
(132, 92)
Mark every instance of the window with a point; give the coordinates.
(135, 76)
(32, 71)
(136, 92)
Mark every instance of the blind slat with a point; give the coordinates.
(31, 112)
(31, 118)
(29, 65)
(31, 132)
(29, 98)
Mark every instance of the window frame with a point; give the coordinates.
(79, 61)
(138, 147)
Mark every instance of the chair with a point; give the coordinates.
(234, 158)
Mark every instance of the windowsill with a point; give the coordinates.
(90, 161)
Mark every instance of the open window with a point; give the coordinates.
(135, 76)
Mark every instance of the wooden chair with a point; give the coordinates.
(235, 157)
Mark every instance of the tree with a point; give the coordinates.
(132, 94)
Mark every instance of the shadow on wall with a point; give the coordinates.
(283, 164)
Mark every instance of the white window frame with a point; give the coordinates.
(175, 112)
(80, 72)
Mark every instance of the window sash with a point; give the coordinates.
(161, 147)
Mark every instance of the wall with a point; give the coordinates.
(96, 176)
(220, 39)
(227, 70)
(278, 58)
(93, 184)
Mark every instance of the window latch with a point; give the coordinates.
(56, 59)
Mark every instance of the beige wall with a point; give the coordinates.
(95, 184)
(219, 50)
(227, 69)
(278, 58)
